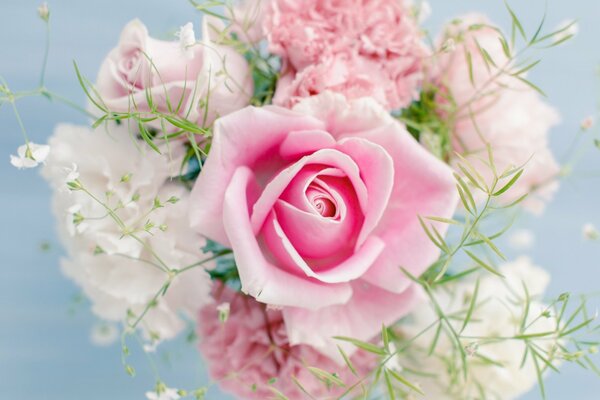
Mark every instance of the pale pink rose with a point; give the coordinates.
(252, 348)
(499, 110)
(320, 206)
(382, 33)
(141, 67)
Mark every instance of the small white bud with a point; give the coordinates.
(590, 232)
(224, 309)
(44, 11)
(187, 40)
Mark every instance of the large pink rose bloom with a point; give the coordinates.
(320, 206)
(204, 80)
(373, 43)
(251, 348)
(499, 110)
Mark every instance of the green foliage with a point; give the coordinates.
(423, 120)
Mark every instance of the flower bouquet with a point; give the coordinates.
(317, 186)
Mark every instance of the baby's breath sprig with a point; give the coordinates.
(9, 96)
(471, 185)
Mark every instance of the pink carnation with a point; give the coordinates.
(378, 40)
(252, 349)
(499, 110)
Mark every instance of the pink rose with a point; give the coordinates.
(251, 348)
(320, 206)
(499, 110)
(171, 74)
(379, 39)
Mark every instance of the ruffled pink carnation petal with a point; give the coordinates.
(370, 48)
(252, 349)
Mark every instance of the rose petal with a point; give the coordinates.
(351, 268)
(240, 139)
(423, 186)
(312, 235)
(377, 170)
(301, 143)
(277, 185)
(260, 278)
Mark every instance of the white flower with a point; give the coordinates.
(522, 239)
(187, 40)
(104, 334)
(590, 232)
(165, 394)
(498, 312)
(30, 155)
(115, 271)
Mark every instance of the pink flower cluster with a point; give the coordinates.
(319, 194)
(250, 353)
(358, 48)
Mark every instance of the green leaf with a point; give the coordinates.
(466, 190)
(454, 277)
(505, 47)
(471, 308)
(385, 337)
(515, 21)
(532, 85)
(371, 348)
(491, 245)
(470, 65)
(326, 376)
(526, 68)
(405, 382)
(509, 184)
(83, 83)
(388, 384)
(347, 361)
(297, 383)
(277, 393)
(441, 245)
(483, 264)
(444, 220)
(146, 136)
(539, 30)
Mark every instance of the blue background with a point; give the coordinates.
(45, 350)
